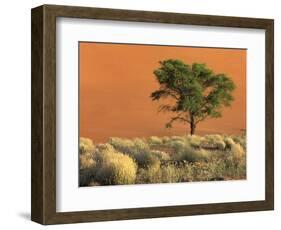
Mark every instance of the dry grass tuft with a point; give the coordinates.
(193, 155)
(114, 168)
(153, 140)
(86, 145)
(162, 160)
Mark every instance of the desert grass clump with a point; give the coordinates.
(234, 164)
(86, 145)
(177, 138)
(162, 160)
(176, 144)
(192, 155)
(162, 174)
(171, 174)
(151, 174)
(237, 152)
(221, 145)
(240, 140)
(228, 142)
(121, 144)
(115, 168)
(153, 140)
(145, 159)
(137, 149)
(86, 161)
(101, 148)
(127, 146)
(162, 156)
(140, 145)
(165, 139)
(214, 141)
(86, 176)
(195, 141)
(86, 149)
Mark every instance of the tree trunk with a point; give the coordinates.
(192, 128)
(192, 125)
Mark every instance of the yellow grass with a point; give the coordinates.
(162, 160)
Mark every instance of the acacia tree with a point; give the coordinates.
(196, 92)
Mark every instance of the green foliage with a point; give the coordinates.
(197, 92)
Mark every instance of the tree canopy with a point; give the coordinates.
(197, 92)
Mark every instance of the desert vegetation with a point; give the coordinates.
(196, 91)
(162, 160)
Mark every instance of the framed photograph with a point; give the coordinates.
(141, 114)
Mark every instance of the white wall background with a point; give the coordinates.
(15, 113)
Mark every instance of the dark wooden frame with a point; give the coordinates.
(43, 197)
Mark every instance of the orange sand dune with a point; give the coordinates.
(116, 81)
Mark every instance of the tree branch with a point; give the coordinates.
(178, 118)
(201, 119)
